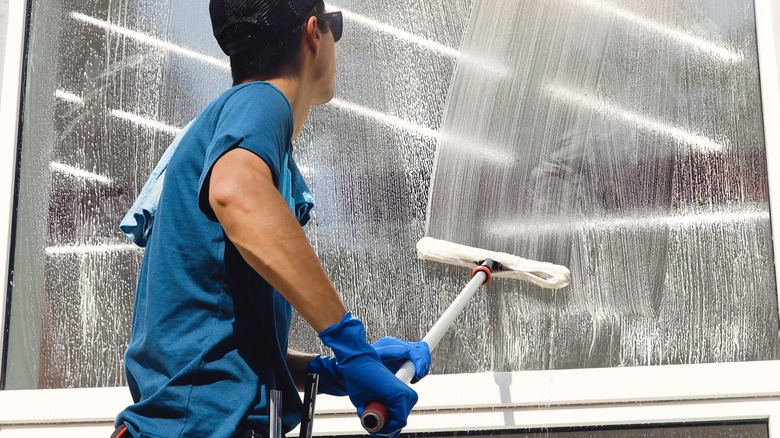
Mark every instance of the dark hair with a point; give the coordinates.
(268, 58)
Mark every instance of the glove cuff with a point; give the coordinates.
(347, 339)
(331, 379)
(319, 365)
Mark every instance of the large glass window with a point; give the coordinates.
(622, 140)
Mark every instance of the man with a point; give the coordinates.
(227, 257)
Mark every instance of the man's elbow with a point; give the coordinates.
(223, 197)
(240, 185)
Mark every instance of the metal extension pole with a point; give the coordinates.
(445, 321)
(375, 414)
(275, 414)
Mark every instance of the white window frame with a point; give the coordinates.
(671, 394)
(10, 103)
(483, 401)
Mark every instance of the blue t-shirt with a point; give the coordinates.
(209, 335)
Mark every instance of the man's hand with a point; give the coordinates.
(366, 378)
(392, 352)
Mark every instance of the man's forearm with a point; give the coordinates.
(298, 363)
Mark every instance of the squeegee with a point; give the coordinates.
(485, 265)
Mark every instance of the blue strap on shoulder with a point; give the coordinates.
(139, 219)
(301, 201)
(137, 223)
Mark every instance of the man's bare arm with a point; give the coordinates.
(258, 221)
(298, 363)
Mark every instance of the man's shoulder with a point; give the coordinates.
(253, 104)
(256, 107)
(256, 93)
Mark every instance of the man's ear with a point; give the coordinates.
(311, 34)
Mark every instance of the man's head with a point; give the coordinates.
(263, 37)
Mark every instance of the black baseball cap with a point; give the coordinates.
(242, 24)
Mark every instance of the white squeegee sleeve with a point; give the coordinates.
(542, 274)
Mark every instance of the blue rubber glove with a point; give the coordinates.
(393, 352)
(367, 379)
(331, 380)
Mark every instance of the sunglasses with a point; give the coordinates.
(335, 21)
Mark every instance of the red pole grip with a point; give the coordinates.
(374, 417)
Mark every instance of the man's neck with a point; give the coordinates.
(299, 99)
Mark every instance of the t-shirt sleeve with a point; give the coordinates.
(257, 119)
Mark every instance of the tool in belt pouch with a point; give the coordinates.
(309, 397)
(307, 416)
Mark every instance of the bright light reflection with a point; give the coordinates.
(489, 66)
(605, 107)
(485, 150)
(383, 117)
(154, 124)
(89, 249)
(622, 224)
(145, 121)
(344, 105)
(394, 31)
(68, 97)
(79, 173)
(684, 38)
(147, 39)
